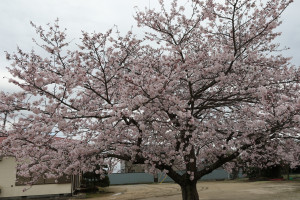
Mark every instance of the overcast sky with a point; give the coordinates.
(96, 15)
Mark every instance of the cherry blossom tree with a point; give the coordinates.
(204, 87)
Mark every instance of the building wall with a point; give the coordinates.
(128, 167)
(9, 189)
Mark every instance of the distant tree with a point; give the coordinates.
(204, 87)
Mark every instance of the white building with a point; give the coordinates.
(10, 189)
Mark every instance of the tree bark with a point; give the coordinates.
(189, 191)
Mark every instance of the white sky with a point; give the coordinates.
(96, 15)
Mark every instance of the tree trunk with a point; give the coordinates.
(189, 191)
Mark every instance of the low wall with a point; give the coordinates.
(130, 178)
(217, 174)
(136, 178)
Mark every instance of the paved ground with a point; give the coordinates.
(46, 198)
(225, 190)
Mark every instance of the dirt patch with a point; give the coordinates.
(226, 190)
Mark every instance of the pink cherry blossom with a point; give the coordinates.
(202, 89)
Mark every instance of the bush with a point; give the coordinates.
(270, 172)
(104, 182)
(91, 181)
